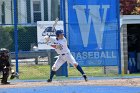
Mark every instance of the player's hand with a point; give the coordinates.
(47, 38)
(54, 46)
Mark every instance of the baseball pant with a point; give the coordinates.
(62, 59)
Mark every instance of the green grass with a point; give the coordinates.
(43, 71)
(90, 71)
(34, 72)
(28, 72)
(134, 74)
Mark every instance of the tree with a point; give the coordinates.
(129, 7)
(5, 39)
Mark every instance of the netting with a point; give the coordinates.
(32, 64)
(97, 46)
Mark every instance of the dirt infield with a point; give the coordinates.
(108, 82)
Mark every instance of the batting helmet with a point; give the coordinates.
(4, 50)
(58, 32)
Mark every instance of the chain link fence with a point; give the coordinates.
(33, 64)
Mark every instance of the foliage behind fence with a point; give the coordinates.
(27, 37)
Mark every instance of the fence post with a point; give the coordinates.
(36, 60)
(16, 34)
(119, 45)
(63, 17)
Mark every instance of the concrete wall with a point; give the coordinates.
(124, 49)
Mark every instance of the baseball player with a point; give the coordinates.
(59, 43)
(5, 66)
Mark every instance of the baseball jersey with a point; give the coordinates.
(61, 44)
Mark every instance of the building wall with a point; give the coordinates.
(8, 12)
(49, 11)
(22, 12)
(0, 12)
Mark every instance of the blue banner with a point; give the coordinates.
(93, 31)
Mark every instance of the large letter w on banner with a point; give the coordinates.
(95, 17)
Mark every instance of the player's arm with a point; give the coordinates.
(51, 40)
(57, 46)
(54, 46)
(60, 46)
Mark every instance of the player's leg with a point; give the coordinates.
(58, 63)
(71, 60)
(5, 76)
(79, 68)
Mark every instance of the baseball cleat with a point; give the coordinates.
(85, 77)
(49, 80)
(5, 83)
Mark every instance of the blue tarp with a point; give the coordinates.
(73, 89)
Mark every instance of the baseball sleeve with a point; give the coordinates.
(50, 39)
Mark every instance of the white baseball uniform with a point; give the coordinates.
(63, 51)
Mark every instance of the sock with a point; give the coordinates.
(80, 70)
(52, 74)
